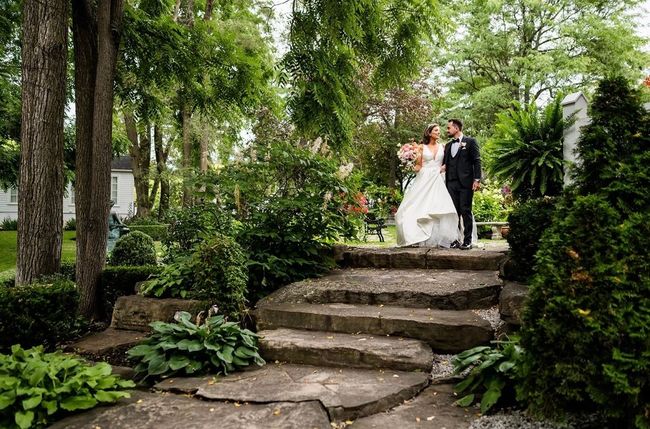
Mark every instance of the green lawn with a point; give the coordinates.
(8, 249)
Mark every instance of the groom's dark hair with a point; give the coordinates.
(457, 122)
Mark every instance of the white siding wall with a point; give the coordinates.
(125, 198)
(7, 209)
(125, 204)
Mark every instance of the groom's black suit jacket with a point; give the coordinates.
(466, 164)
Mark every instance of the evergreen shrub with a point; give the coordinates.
(527, 221)
(586, 326)
(135, 248)
(42, 313)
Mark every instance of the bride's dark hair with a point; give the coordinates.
(427, 133)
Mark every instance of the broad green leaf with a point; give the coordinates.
(50, 406)
(110, 396)
(489, 399)
(190, 345)
(7, 399)
(78, 403)
(157, 365)
(465, 401)
(193, 367)
(24, 419)
(178, 361)
(505, 366)
(32, 402)
(140, 350)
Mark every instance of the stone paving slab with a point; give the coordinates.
(338, 349)
(444, 330)
(418, 288)
(107, 340)
(168, 411)
(345, 393)
(109, 345)
(395, 257)
(433, 408)
(136, 312)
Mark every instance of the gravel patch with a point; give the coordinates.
(516, 418)
(493, 317)
(442, 367)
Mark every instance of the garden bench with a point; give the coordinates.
(373, 226)
(496, 228)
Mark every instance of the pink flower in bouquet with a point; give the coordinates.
(408, 155)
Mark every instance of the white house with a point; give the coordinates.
(122, 193)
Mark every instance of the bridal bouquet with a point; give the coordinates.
(408, 154)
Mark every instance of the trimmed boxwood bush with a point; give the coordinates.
(135, 248)
(69, 270)
(120, 281)
(157, 232)
(43, 313)
(527, 221)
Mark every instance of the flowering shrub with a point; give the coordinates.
(359, 204)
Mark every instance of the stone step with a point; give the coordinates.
(433, 408)
(346, 393)
(108, 346)
(338, 349)
(136, 312)
(164, 411)
(428, 258)
(418, 288)
(445, 331)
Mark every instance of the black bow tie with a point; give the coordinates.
(455, 141)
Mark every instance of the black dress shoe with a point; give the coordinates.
(455, 245)
(466, 246)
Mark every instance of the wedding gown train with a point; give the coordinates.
(427, 216)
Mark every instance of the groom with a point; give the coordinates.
(462, 164)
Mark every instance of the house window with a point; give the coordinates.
(13, 195)
(114, 189)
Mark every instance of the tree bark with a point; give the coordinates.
(96, 40)
(140, 152)
(161, 165)
(209, 4)
(40, 189)
(186, 117)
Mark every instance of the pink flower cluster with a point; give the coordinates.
(408, 154)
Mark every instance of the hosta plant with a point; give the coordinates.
(36, 387)
(495, 374)
(212, 345)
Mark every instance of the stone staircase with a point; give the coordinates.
(362, 340)
(411, 300)
(357, 344)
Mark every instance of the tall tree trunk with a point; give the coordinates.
(40, 189)
(209, 4)
(96, 37)
(186, 114)
(186, 117)
(161, 166)
(140, 152)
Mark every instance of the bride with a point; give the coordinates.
(427, 216)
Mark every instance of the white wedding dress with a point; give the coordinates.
(427, 216)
